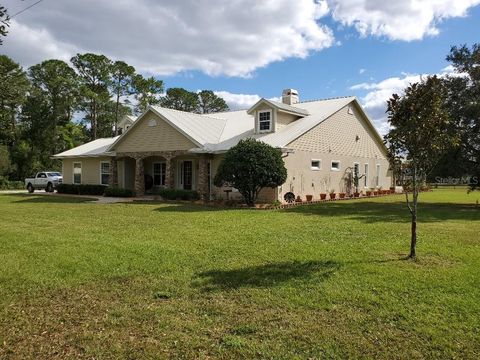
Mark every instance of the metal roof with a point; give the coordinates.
(220, 131)
(280, 106)
(93, 148)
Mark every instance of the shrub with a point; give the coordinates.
(81, 189)
(250, 166)
(178, 194)
(119, 192)
(6, 184)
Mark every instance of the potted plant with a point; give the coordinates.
(309, 197)
(332, 194)
(392, 189)
(298, 199)
(323, 196)
(342, 195)
(369, 192)
(356, 194)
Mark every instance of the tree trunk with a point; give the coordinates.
(117, 105)
(413, 242)
(94, 120)
(413, 211)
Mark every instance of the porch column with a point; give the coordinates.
(113, 181)
(169, 180)
(139, 177)
(202, 186)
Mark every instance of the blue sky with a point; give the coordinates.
(255, 48)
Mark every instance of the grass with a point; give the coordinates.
(84, 280)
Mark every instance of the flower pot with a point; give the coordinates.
(332, 195)
(392, 190)
(298, 199)
(342, 195)
(369, 193)
(309, 197)
(356, 194)
(375, 193)
(323, 196)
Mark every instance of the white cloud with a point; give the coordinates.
(377, 95)
(361, 71)
(398, 20)
(241, 101)
(166, 37)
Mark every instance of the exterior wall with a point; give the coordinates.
(283, 119)
(335, 140)
(90, 170)
(161, 137)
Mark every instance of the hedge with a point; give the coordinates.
(177, 194)
(6, 184)
(81, 189)
(119, 192)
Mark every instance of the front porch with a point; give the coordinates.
(146, 172)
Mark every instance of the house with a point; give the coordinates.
(323, 143)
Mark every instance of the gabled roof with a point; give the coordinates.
(216, 133)
(279, 106)
(93, 148)
(202, 130)
(319, 110)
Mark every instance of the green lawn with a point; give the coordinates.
(83, 280)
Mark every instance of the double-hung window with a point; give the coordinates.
(77, 172)
(104, 172)
(159, 170)
(264, 121)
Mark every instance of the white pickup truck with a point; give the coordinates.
(47, 180)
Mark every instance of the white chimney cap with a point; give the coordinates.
(290, 92)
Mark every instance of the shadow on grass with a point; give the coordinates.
(268, 275)
(49, 199)
(189, 208)
(393, 212)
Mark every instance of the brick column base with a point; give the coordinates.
(139, 177)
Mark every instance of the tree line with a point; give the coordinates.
(54, 106)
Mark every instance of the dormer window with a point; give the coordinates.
(265, 121)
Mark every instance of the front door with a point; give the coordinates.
(187, 174)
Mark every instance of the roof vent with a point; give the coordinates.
(290, 96)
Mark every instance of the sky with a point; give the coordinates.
(248, 49)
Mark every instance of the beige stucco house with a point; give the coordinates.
(323, 143)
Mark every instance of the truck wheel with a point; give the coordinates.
(49, 187)
(30, 188)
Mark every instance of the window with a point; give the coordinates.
(264, 121)
(41, 176)
(366, 176)
(377, 180)
(335, 165)
(315, 164)
(104, 172)
(159, 170)
(356, 169)
(186, 174)
(77, 173)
